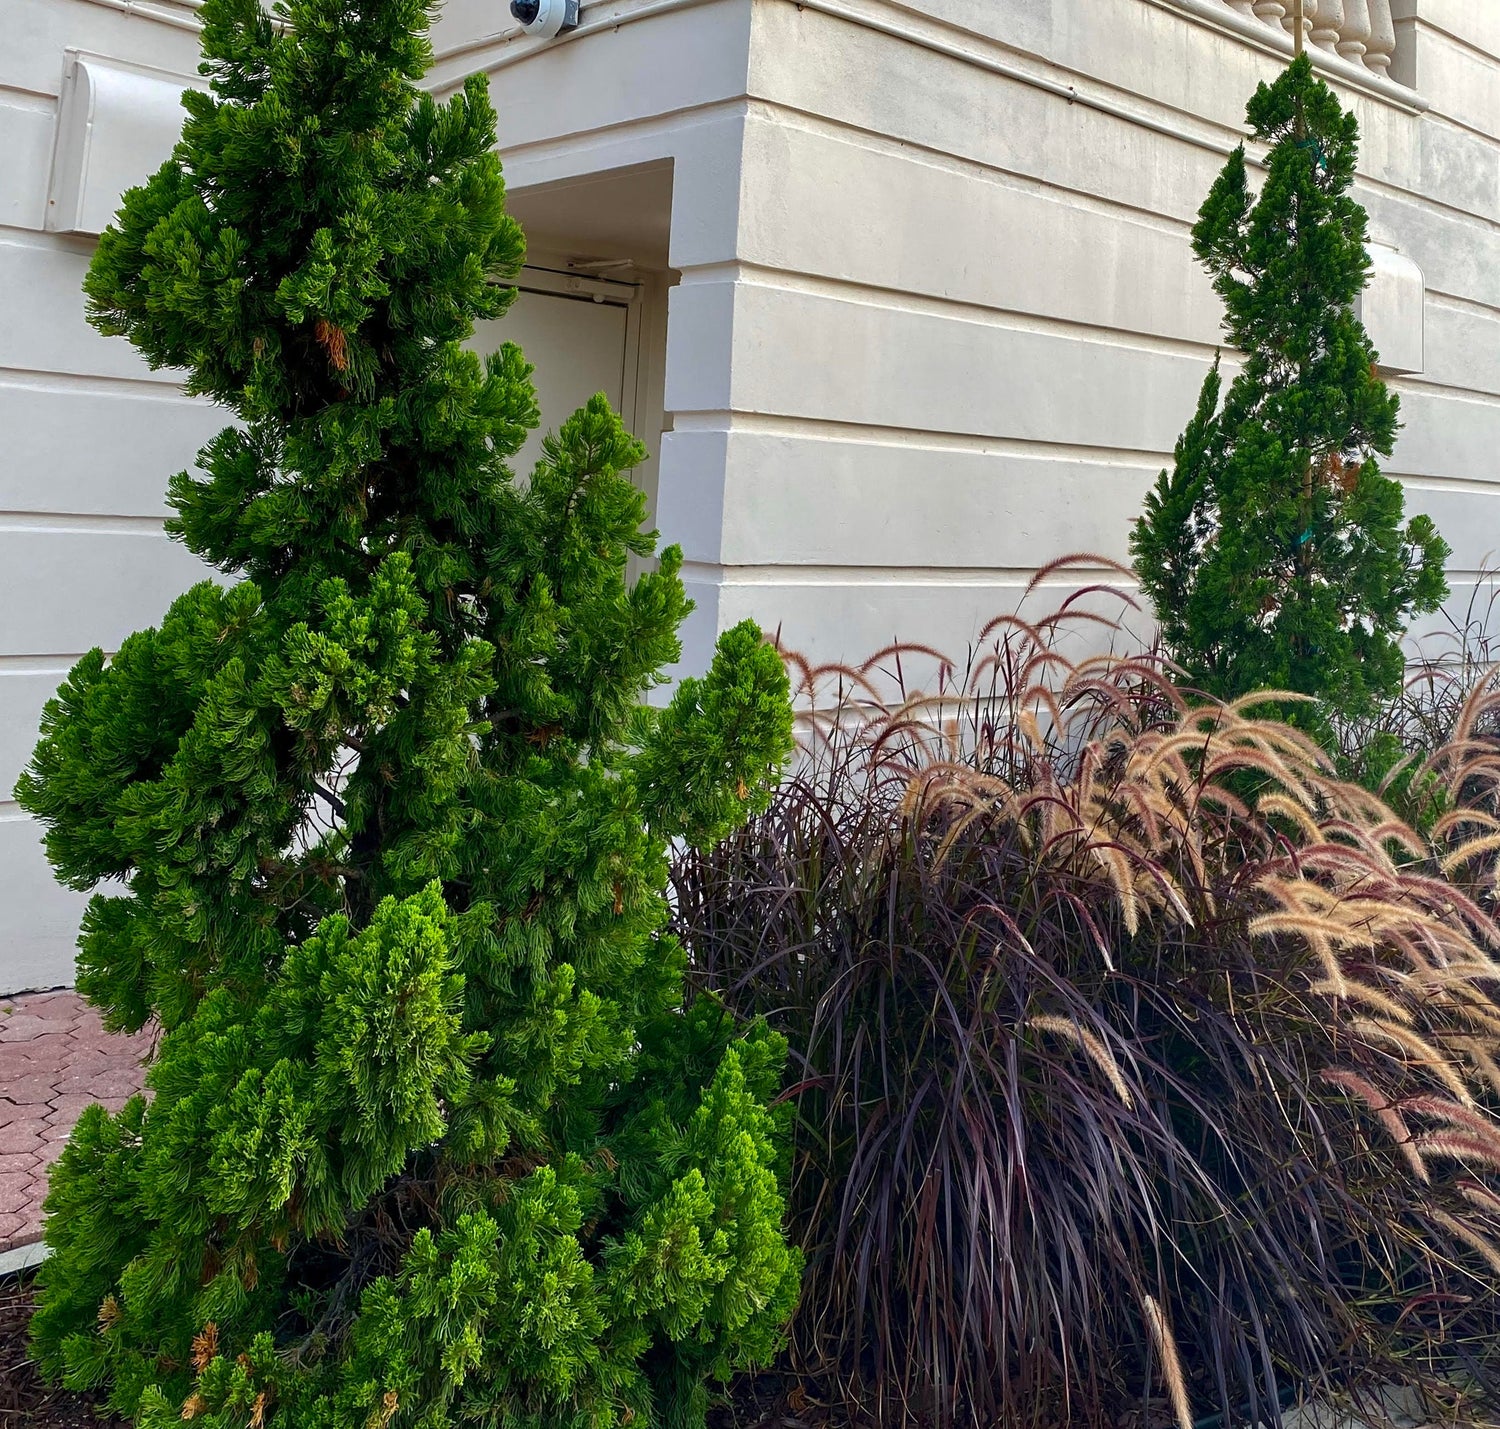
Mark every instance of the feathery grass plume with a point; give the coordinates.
(1196, 905)
(1387, 1114)
(1166, 1347)
(1410, 748)
(1482, 1197)
(1098, 1053)
(1355, 991)
(1478, 1242)
(1484, 1059)
(1457, 1146)
(1457, 1114)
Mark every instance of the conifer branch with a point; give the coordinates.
(331, 799)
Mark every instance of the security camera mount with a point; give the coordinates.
(545, 18)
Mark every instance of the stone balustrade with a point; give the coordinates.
(1359, 30)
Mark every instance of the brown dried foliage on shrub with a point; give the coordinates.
(1141, 1061)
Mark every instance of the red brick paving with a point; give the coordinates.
(55, 1059)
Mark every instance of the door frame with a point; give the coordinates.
(585, 288)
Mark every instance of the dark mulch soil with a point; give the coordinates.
(776, 1400)
(25, 1398)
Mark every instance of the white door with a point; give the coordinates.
(578, 346)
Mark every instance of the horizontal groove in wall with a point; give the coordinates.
(1005, 577)
(512, 45)
(852, 575)
(1423, 22)
(991, 55)
(901, 300)
(1431, 204)
(817, 429)
(1428, 202)
(963, 165)
(1167, 120)
(666, 126)
(1418, 384)
(1459, 303)
(966, 162)
(18, 665)
(1098, 202)
(100, 385)
(1487, 136)
(985, 51)
(810, 429)
(1107, 459)
(1014, 579)
(37, 101)
(841, 288)
(78, 523)
(1102, 205)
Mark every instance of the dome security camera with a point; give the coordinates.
(545, 17)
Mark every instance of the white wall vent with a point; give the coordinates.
(1393, 310)
(116, 124)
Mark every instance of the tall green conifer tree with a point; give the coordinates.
(433, 1136)
(1274, 550)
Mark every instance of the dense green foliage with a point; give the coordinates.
(1274, 549)
(433, 1136)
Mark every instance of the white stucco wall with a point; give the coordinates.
(935, 322)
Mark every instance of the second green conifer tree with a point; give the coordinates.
(1275, 552)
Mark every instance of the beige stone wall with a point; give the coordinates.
(88, 437)
(965, 324)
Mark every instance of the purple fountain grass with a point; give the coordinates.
(1139, 1057)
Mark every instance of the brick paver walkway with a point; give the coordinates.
(55, 1059)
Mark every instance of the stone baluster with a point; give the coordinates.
(1327, 23)
(1354, 38)
(1382, 42)
(1363, 31)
